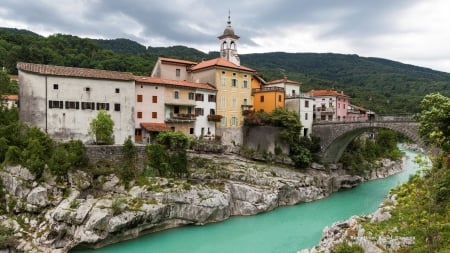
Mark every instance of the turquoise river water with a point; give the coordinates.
(284, 230)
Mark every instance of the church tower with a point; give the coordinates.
(228, 44)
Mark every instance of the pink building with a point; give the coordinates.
(330, 105)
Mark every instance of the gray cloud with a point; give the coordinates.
(197, 23)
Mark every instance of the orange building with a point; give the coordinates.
(266, 98)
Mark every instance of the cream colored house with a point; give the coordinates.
(63, 100)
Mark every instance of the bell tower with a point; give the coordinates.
(228, 44)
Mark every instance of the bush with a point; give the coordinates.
(102, 128)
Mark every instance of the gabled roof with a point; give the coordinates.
(155, 127)
(284, 80)
(176, 61)
(333, 93)
(163, 81)
(220, 63)
(74, 72)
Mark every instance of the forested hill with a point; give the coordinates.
(380, 84)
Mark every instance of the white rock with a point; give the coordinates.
(38, 197)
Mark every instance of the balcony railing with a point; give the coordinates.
(214, 117)
(267, 89)
(181, 117)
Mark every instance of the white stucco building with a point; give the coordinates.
(63, 100)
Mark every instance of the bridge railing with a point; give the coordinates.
(378, 118)
(395, 117)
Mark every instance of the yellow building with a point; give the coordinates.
(233, 84)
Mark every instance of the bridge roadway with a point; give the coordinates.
(335, 136)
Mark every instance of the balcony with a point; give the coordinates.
(325, 110)
(181, 118)
(214, 117)
(268, 89)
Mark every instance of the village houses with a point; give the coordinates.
(207, 99)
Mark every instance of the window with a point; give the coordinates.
(343, 105)
(55, 104)
(154, 115)
(87, 89)
(177, 72)
(199, 111)
(55, 86)
(224, 81)
(279, 98)
(176, 94)
(117, 90)
(245, 101)
(103, 106)
(306, 116)
(139, 98)
(233, 102)
(293, 93)
(117, 107)
(233, 121)
(72, 105)
(261, 99)
(191, 130)
(176, 109)
(223, 122)
(139, 115)
(223, 101)
(87, 105)
(212, 98)
(191, 95)
(234, 83)
(212, 111)
(306, 104)
(199, 97)
(154, 99)
(245, 84)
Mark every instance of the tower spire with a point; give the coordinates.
(228, 43)
(229, 17)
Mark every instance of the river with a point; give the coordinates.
(284, 230)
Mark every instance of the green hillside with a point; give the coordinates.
(382, 85)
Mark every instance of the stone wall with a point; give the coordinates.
(264, 139)
(113, 153)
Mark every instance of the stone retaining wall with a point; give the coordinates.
(113, 153)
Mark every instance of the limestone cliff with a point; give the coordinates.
(55, 215)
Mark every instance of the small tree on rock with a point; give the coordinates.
(101, 128)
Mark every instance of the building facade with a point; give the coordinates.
(330, 105)
(63, 100)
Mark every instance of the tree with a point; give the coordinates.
(101, 128)
(435, 120)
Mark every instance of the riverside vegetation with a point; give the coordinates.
(416, 216)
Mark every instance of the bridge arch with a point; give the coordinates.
(335, 136)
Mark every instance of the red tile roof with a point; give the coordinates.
(163, 81)
(316, 93)
(221, 63)
(154, 127)
(284, 80)
(10, 97)
(74, 72)
(177, 61)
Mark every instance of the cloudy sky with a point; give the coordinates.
(410, 31)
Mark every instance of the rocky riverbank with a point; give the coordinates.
(56, 215)
(352, 233)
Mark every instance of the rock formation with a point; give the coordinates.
(57, 214)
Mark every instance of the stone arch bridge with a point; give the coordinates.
(335, 136)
